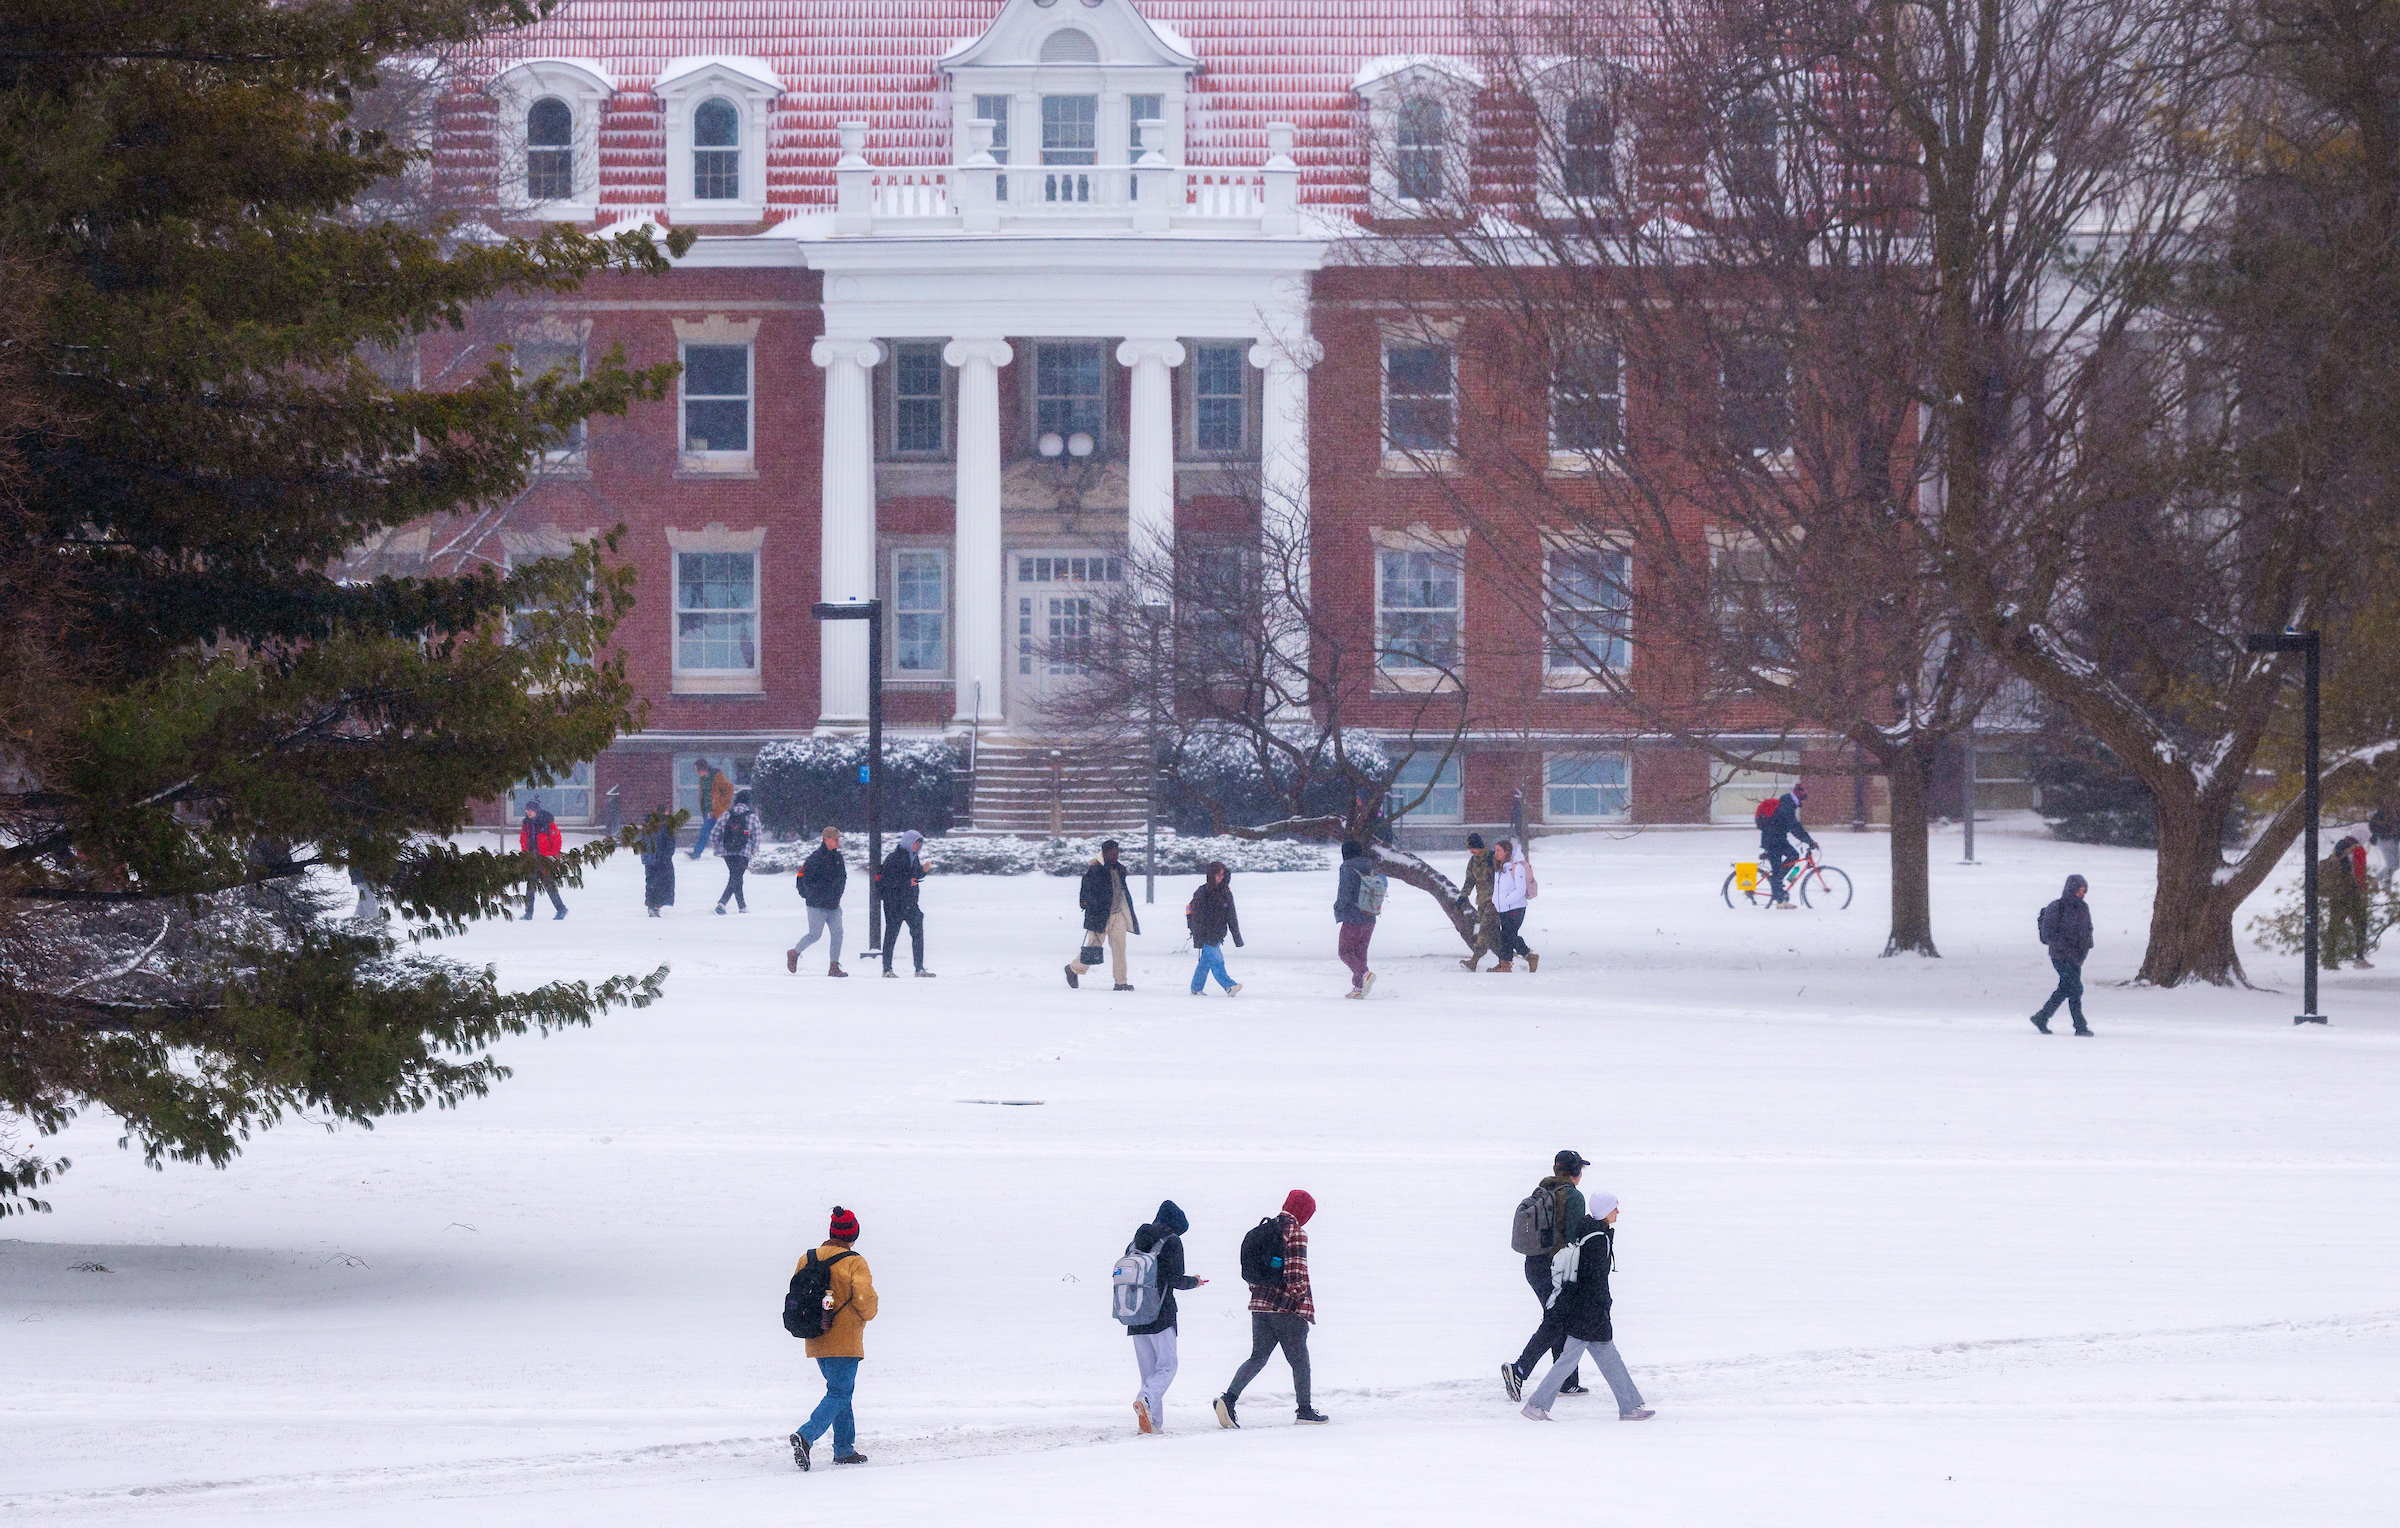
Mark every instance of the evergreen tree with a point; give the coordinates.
(196, 711)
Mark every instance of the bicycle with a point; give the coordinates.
(1816, 883)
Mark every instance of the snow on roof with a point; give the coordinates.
(748, 68)
(1172, 38)
(592, 67)
(1384, 66)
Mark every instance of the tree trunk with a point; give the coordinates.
(2191, 913)
(1908, 769)
(1398, 864)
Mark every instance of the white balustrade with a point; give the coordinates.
(912, 194)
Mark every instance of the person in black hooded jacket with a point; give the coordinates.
(2066, 928)
(1154, 1341)
(1581, 1310)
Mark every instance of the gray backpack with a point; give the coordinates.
(1133, 1293)
(1536, 1230)
(1368, 898)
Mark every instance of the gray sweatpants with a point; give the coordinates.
(1604, 1358)
(1154, 1352)
(819, 920)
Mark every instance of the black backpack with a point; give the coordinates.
(1262, 1252)
(733, 837)
(804, 1313)
(2045, 924)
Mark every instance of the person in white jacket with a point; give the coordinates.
(1512, 887)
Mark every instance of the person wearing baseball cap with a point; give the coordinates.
(851, 1296)
(1564, 1202)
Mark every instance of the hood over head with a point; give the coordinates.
(1300, 1204)
(1351, 849)
(910, 839)
(1170, 1217)
(2075, 883)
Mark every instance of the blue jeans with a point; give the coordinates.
(2069, 990)
(1212, 960)
(841, 1378)
(708, 830)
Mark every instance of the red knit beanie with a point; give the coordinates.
(844, 1226)
(1299, 1204)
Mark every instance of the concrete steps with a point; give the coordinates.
(1042, 788)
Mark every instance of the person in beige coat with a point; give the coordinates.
(844, 1344)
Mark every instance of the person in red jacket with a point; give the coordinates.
(538, 836)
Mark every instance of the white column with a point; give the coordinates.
(1283, 521)
(1150, 452)
(981, 636)
(846, 544)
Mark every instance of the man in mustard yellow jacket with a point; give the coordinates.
(852, 1296)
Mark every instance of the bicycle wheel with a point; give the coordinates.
(1733, 889)
(1827, 886)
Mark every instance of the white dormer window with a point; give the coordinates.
(716, 117)
(549, 120)
(1587, 138)
(1068, 84)
(1420, 119)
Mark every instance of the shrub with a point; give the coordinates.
(1221, 768)
(802, 784)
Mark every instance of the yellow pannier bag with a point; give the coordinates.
(1745, 874)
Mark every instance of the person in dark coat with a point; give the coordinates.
(1358, 925)
(658, 862)
(737, 836)
(1566, 1173)
(1107, 902)
(823, 877)
(1154, 1341)
(1582, 1312)
(1775, 837)
(1211, 917)
(2066, 928)
(896, 885)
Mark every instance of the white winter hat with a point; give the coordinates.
(1601, 1205)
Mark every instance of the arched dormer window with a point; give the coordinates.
(1070, 45)
(716, 151)
(1420, 148)
(1420, 115)
(549, 150)
(1587, 147)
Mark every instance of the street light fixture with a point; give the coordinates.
(871, 612)
(2307, 643)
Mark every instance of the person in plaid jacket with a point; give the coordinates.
(1280, 1316)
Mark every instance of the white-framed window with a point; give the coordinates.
(1220, 374)
(738, 768)
(1420, 399)
(1070, 146)
(567, 797)
(1587, 403)
(1061, 597)
(1441, 780)
(1070, 390)
(716, 405)
(1756, 394)
(716, 614)
(1735, 792)
(920, 607)
(920, 399)
(1420, 147)
(1587, 787)
(1755, 613)
(1420, 111)
(716, 110)
(1587, 595)
(539, 355)
(1419, 611)
(548, 118)
(1587, 148)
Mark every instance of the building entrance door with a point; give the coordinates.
(1060, 601)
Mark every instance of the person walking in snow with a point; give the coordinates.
(1566, 1209)
(822, 878)
(1776, 830)
(1211, 917)
(1282, 1306)
(1154, 1340)
(657, 849)
(1477, 885)
(2383, 831)
(2065, 926)
(1357, 901)
(1107, 902)
(843, 1346)
(2343, 878)
(737, 835)
(1584, 1267)
(716, 799)
(896, 883)
(1512, 888)
(538, 836)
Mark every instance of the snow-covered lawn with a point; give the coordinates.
(1887, 1255)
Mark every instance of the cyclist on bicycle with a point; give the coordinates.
(1776, 830)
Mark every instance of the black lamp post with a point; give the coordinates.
(2305, 642)
(871, 612)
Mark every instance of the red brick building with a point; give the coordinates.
(987, 291)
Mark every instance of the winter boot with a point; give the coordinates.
(1504, 966)
(1472, 961)
(2084, 1030)
(1310, 1418)
(1224, 1408)
(836, 970)
(852, 1457)
(1072, 980)
(1512, 1382)
(800, 1451)
(1122, 987)
(1533, 962)
(2041, 1023)
(720, 909)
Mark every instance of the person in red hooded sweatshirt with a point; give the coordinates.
(1282, 1307)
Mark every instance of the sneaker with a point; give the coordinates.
(800, 1451)
(653, 912)
(2041, 1024)
(791, 961)
(1224, 1409)
(720, 909)
(1199, 992)
(1533, 1414)
(1141, 1415)
(1368, 985)
(835, 970)
(1512, 1382)
(1787, 907)
(922, 972)
(2083, 1031)
(852, 1457)
(1533, 962)
(1123, 987)
(1638, 1414)
(1072, 980)
(890, 975)
(1310, 1419)
(562, 912)
(1354, 992)
(1234, 991)
(1573, 1387)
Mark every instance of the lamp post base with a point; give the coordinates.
(2310, 1018)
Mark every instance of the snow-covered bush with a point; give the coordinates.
(802, 784)
(1220, 767)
